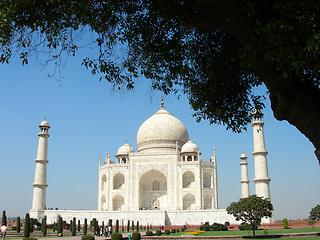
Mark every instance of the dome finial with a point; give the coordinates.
(162, 101)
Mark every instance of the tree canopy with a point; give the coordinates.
(217, 52)
(315, 214)
(251, 210)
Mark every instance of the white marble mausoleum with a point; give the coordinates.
(163, 182)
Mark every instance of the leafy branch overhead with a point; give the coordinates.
(217, 52)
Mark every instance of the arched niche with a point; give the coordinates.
(103, 203)
(103, 181)
(117, 203)
(206, 179)
(188, 180)
(188, 201)
(118, 181)
(153, 190)
(207, 201)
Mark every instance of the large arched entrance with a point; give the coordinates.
(153, 190)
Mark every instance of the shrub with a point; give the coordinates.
(14, 228)
(26, 231)
(285, 223)
(182, 229)
(177, 230)
(218, 227)
(87, 237)
(173, 231)
(18, 225)
(85, 227)
(116, 236)
(117, 226)
(167, 231)
(149, 233)
(227, 224)
(30, 238)
(136, 236)
(246, 226)
(158, 232)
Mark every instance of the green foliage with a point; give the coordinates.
(158, 232)
(26, 231)
(173, 231)
(116, 236)
(177, 230)
(214, 53)
(227, 224)
(128, 226)
(30, 238)
(85, 227)
(138, 226)
(166, 231)
(4, 218)
(213, 227)
(60, 226)
(110, 224)
(44, 226)
(136, 236)
(117, 226)
(31, 225)
(246, 226)
(87, 237)
(285, 223)
(78, 226)
(315, 213)
(122, 229)
(251, 210)
(18, 225)
(149, 233)
(73, 227)
(182, 229)
(132, 225)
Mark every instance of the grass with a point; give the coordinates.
(258, 232)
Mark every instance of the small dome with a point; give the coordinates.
(243, 156)
(189, 147)
(44, 124)
(125, 149)
(161, 131)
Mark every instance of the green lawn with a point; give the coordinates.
(258, 232)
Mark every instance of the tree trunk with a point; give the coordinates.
(299, 105)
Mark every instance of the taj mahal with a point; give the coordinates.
(164, 182)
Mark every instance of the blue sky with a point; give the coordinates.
(87, 120)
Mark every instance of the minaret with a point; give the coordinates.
(215, 179)
(40, 179)
(244, 177)
(260, 157)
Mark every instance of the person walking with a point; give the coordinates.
(3, 231)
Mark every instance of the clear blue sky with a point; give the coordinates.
(87, 120)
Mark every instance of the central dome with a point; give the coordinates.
(161, 132)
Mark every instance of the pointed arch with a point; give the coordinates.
(103, 182)
(117, 203)
(118, 181)
(153, 190)
(188, 201)
(188, 179)
(103, 203)
(207, 180)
